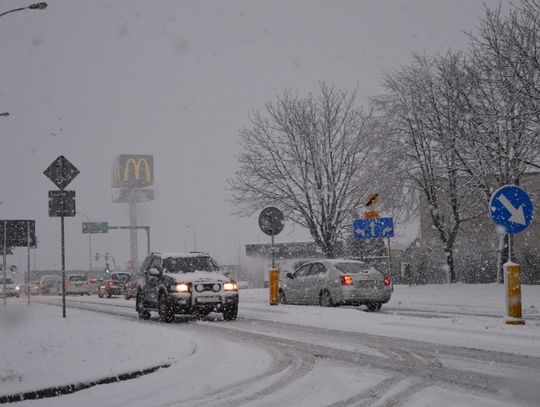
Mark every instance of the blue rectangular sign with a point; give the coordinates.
(373, 228)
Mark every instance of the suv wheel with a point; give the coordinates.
(141, 309)
(230, 312)
(165, 311)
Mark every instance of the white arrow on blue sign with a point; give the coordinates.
(511, 208)
(373, 228)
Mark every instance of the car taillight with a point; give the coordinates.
(110, 283)
(386, 280)
(346, 280)
(68, 283)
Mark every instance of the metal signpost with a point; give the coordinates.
(511, 209)
(62, 203)
(372, 226)
(271, 222)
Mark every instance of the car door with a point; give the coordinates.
(299, 281)
(314, 282)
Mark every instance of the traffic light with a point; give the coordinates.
(107, 268)
(97, 256)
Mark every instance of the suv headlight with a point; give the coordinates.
(230, 286)
(180, 287)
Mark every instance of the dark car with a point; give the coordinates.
(184, 283)
(113, 284)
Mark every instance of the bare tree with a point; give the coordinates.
(305, 155)
(502, 141)
(422, 111)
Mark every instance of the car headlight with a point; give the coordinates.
(17, 288)
(230, 286)
(180, 288)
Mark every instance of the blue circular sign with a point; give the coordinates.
(13, 268)
(511, 208)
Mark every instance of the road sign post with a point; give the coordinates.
(15, 233)
(271, 222)
(61, 172)
(511, 210)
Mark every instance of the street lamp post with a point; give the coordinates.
(194, 236)
(89, 239)
(35, 6)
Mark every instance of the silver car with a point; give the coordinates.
(335, 282)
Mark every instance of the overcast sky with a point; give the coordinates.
(178, 79)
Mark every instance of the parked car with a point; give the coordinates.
(334, 282)
(130, 289)
(12, 289)
(77, 284)
(113, 284)
(50, 285)
(184, 283)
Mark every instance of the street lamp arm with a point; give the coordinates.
(35, 6)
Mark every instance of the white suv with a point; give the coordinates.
(184, 283)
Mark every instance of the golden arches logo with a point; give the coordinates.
(137, 169)
(131, 171)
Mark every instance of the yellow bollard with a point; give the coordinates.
(273, 286)
(513, 293)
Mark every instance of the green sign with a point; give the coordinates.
(95, 227)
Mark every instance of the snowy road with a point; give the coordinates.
(318, 359)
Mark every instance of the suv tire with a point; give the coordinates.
(230, 313)
(141, 309)
(165, 311)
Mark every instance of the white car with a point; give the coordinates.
(78, 284)
(12, 289)
(336, 282)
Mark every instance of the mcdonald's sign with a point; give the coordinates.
(133, 171)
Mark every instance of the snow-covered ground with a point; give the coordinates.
(40, 349)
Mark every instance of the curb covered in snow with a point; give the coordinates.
(72, 388)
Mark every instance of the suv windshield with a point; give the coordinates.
(9, 280)
(188, 264)
(353, 268)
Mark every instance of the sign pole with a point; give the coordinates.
(63, 259)
(4, 265)
(28, 258)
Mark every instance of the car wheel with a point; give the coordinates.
(231, 312)
(282, 298)
(126, 295)
(165, 311)
(141, 309)
(374, 306)
(325, 299)
(109, 295)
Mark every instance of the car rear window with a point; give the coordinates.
(77, 278)
(121, 278)
(353, 268)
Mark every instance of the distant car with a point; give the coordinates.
(184, 283)
(130, 289)
(34, 287)
(50, 285)
(12, 289)
(77, 284)
(113, 284)
(334, 282)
